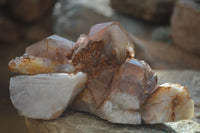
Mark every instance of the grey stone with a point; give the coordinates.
(162, 34)
(79, 122)
(153, 11)
(30, 10)
(164, 56)
(185, 29)
(74, 17)
(77, 19)
(76, 122)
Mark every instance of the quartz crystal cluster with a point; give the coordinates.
(97, 74)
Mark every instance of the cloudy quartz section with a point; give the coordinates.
(45, 96)
(131, 84)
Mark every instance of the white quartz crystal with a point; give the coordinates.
(169, 102)
(45, 96)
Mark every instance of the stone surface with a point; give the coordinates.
(75, 122)
(164, 56)
(154, 10)
(30, 10)
(185, 29)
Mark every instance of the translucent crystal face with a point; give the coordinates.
(53, 47)
(107, 41)
(133, 79)
(49, 55)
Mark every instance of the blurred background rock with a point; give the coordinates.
(166, 33)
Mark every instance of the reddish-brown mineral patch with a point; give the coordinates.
(99, 54)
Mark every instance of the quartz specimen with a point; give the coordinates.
(99, 54)
(168, 102)
(49, 55)
(45, 96)
(117, 84)
(117, 88)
